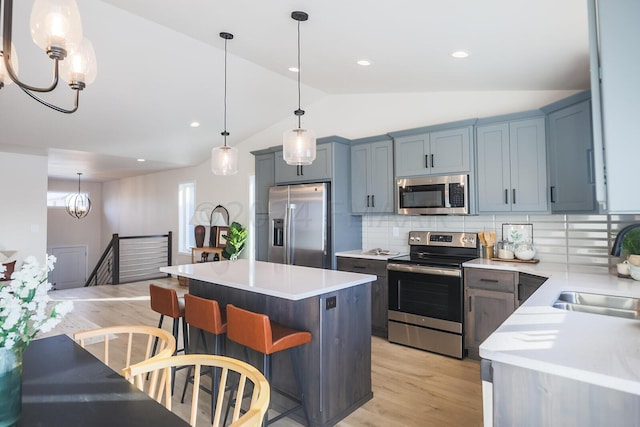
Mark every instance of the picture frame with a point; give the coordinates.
(220, 232)
(517, 233)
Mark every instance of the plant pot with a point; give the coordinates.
(634, 260)
(10, 386)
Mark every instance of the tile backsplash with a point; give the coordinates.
(581, 241)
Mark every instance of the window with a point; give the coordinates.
(58, 199)
(186, 206)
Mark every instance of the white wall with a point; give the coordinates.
(148, 204)
(23, 227)
(65, 230)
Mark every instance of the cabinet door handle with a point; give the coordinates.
(368, 200)
(426, 160)
(514, 196)
(591, 172)
(519, 291)
(553, 194)
(359, 267)
(506, 196)
(373, 200)
(470, 305)
(297, 170)
(490, 280)
(432, 160)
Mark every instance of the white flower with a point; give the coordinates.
(24, 302)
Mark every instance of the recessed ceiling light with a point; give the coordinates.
(293, 69)
(460, 54)
(194, 124)
(364, 62)
(141, 160)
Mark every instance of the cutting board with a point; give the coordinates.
(528, 261)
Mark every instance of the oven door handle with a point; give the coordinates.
(421, 269)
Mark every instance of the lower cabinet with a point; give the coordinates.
(490, 297)
(379, 289)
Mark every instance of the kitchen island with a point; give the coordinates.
(549, 366)
(334, 306)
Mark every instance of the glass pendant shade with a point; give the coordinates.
(299, 146)
(78, 205)
(80, 65)
(56, 23)
(224, 160)
(4, 75)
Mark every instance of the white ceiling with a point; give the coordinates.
(160, 66)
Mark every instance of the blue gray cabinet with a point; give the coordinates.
(372, 175)
(570, 159)
(319, 170)
(265, 178)
(511, 166)
(435, 152)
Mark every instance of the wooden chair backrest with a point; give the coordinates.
(136, 348)
(158, 385)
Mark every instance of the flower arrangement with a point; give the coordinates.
(23, 304)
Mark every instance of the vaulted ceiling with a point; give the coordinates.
(160, 67)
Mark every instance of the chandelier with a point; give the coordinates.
(57, 29)
(79, 204)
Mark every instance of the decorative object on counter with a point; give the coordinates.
(79, 204)
(221, 235)
(224, 160)
(488, 240)
(56, 27)
(524, 251)
(627, 241)
(299, 145)
(530, 261)
(23, 304)
(505, 249)
(516, 233)
(235, 239)
(623, 269)
(634, 271)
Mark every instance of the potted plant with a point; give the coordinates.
(631, 246)
(235, 239)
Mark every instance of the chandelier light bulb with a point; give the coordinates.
(55, 24)
(80, 65)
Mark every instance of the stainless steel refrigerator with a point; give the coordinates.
(299, 225)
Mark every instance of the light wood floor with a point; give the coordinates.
(411, 387)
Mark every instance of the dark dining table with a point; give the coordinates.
(65, 385)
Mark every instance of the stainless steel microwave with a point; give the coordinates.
(433, 195)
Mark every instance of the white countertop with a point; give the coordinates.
(278, 280)
(363, 254)
(597, 349)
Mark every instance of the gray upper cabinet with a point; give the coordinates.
(436, 152)
(265, 178)
(511, 166)
(372, 176)
(319, 170)
(571, 167)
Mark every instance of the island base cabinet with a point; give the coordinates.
(526, 397)
(335, 366)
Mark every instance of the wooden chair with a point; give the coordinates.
(138, 337)
(159, 385)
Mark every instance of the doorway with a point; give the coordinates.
(70, 268)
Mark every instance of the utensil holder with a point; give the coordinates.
(488, 252)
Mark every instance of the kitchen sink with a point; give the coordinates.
(607, 305)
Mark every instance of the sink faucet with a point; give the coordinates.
(616, 249)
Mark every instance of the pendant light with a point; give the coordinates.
(224, 160)
(299, 145)
(78, 205)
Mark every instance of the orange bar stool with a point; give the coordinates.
(257, 332)
(166, 302)
(205, 314)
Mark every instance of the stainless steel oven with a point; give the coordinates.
(426, 291)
